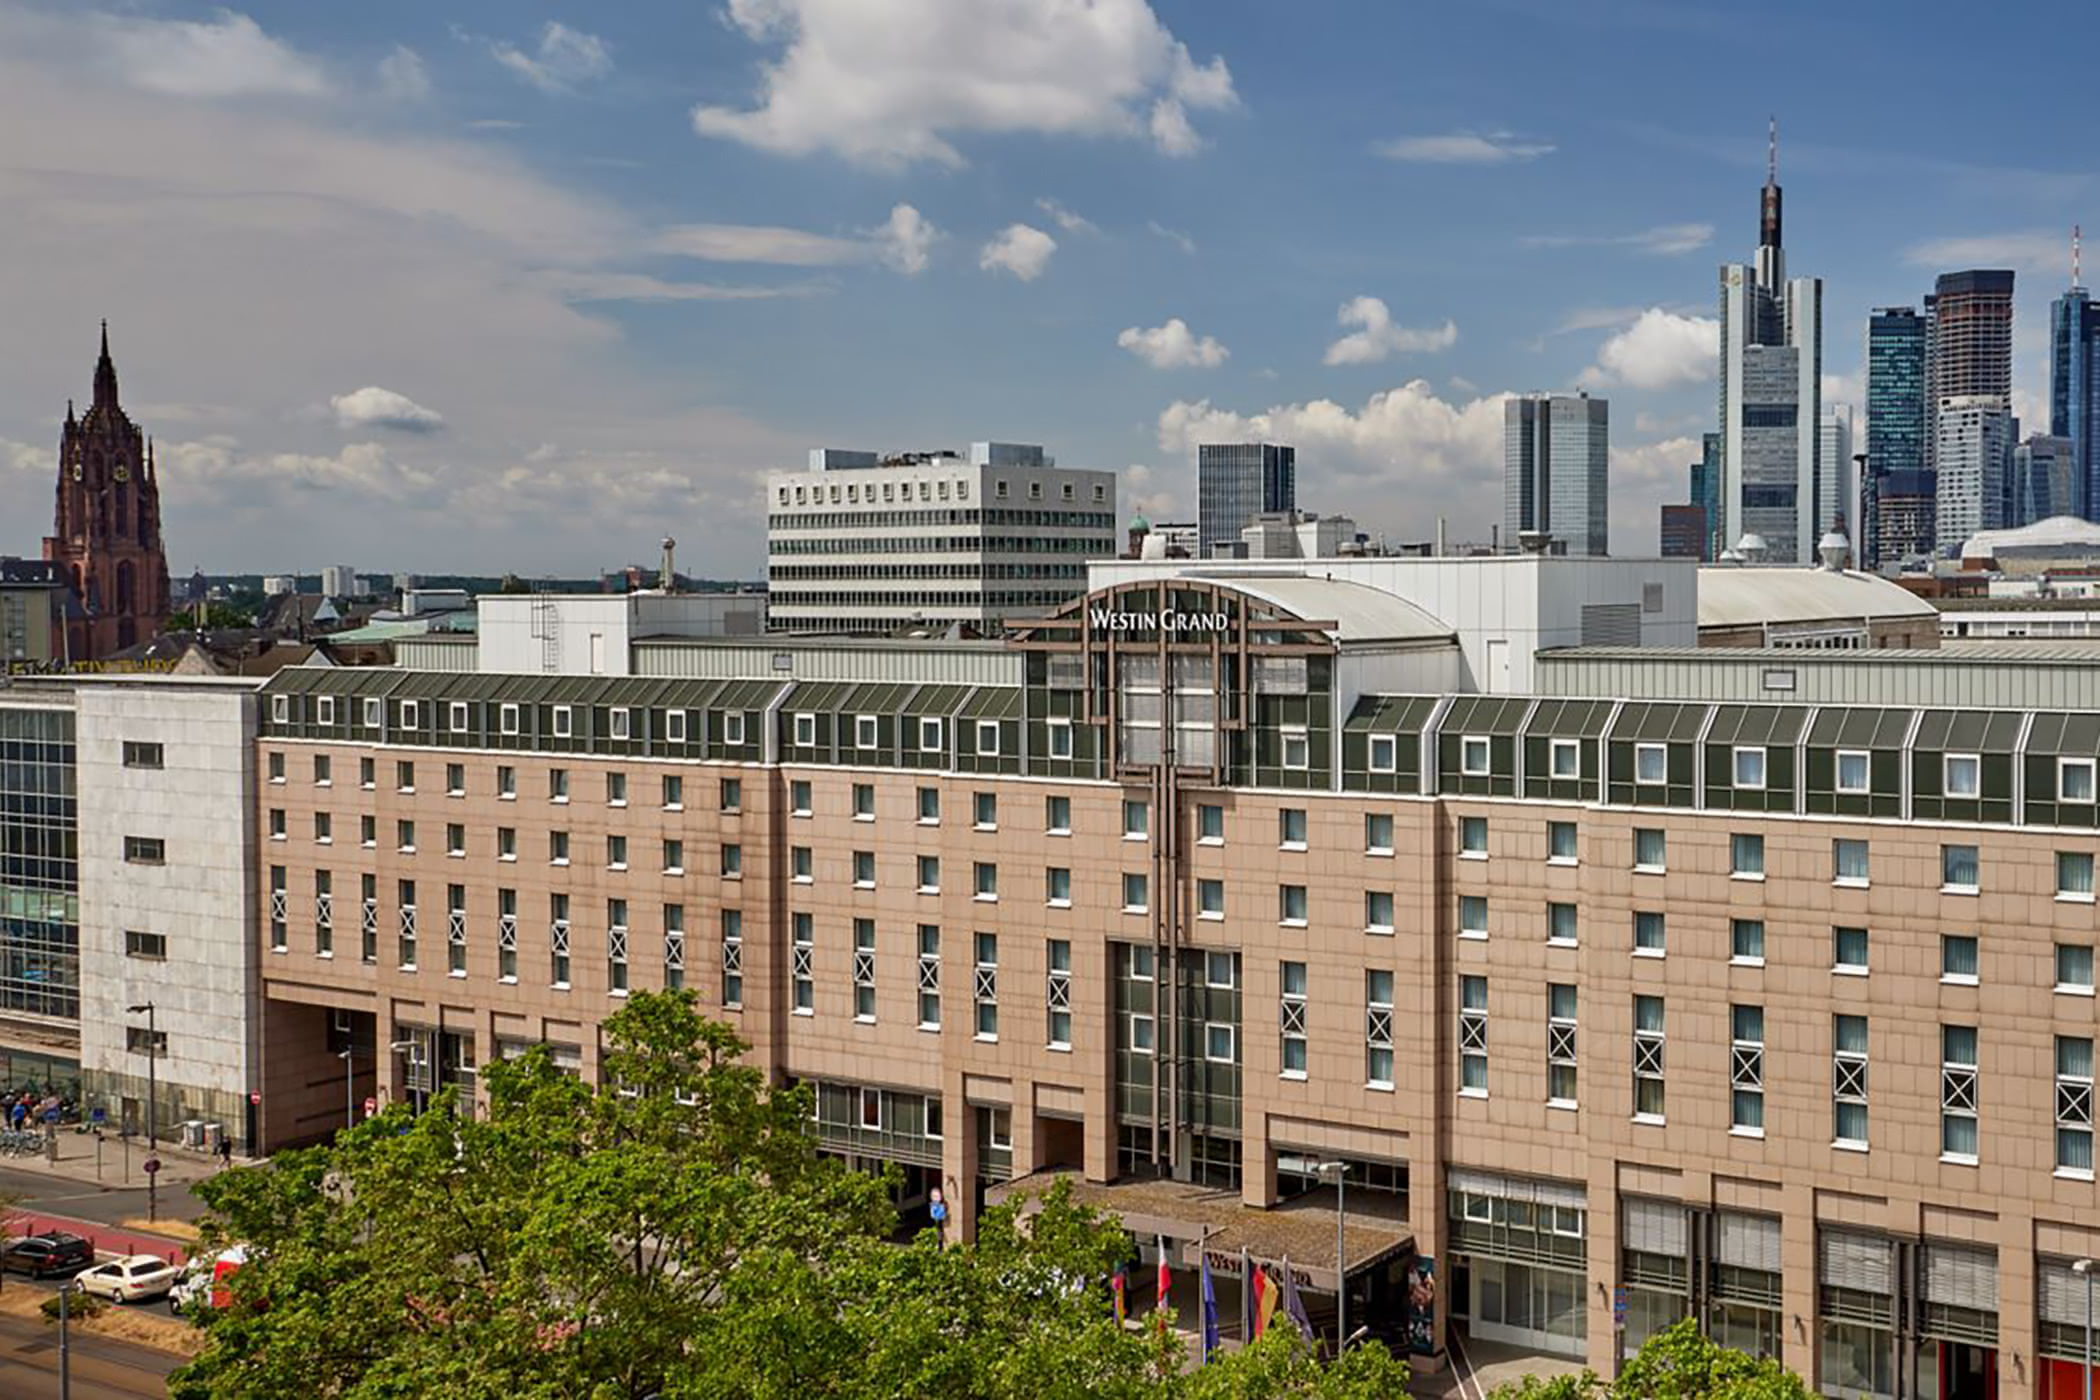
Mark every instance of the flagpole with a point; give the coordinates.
(1246, 1298)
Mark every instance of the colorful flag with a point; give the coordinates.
(1210, 1312)
(1166, 1285)
(1294, 1306)
(1264, 1300)
(1115, 1286)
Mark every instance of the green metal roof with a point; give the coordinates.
(1848, 727)
(1486, 714)
(1968, 731)
(993, 702)
(1756, 724)
(1391, 714)
(2073, 734)
(1570, 719)
(1660, 723)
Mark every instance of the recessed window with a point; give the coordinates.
(557, 785)
(139, 944)
(1290, 905)
(1565, 758)
(1057, 816)
(1852, 771)
(1958, 869)
(1650, 932)
(1560, 925)
(1959, 959)
(564, 721)
(805, 731)
(1750, 768)
(867, 733)
(799, 798)
(1746, 856)
(732, 859)
(274, 766)
(864, 802)
(1137, 820)
(138, 754)
(616, 789)
(2074, 779)
(986, 882)
(731, 795)
(1297, 749)
(1650, 850)
(1210, 824)
(1385, 753)
(1651, 763)
(145, 850)
(1746, 941)
(1060, 736)
(929, 800)
(557, 848)
(929, 735)
(1848, 951)
(1378, 911)
(1057, 887)
(1473, 837)
(1473, 751)
(1210, 899)
(1472, 916)
(1136, 893)
(984, 810)
(2074, 968)
(1964, 775)
(1290, 828)
(1378, 833)
(1560, 842)
(2074, 876)
(987, 738)
(1848, 862)
(864, 870)
(929, 874)
(324, 771)
(801, 865)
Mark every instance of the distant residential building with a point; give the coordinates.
(1974, 450)
(278, 585)
(2074, 386)
(1684, 531)
(338, 581)
(1236, 481)
(1771, 396)
(33, 596)
(2046, 481)
(1556, 465)
(933, 539)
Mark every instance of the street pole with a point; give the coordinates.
(1339, 1171)
(349, 1091)
(65, 1344)
(152, 1072)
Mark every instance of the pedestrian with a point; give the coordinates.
(225, 1150)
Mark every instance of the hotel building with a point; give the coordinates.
(1620, 980)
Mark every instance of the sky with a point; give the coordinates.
(487, 286)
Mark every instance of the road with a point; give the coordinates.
(108, 1203)
(102, 1369)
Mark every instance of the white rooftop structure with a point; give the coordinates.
(2059, 536)
(1747, 597)
(1362, 616)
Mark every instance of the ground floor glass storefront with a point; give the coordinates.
(1519, 1260)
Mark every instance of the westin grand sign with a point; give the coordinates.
(1165, 620)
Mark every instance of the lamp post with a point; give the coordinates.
(349, 1087)
(152, 1074)
(2084, 1269)
(1337, 1172)
(65, 1342)
(406, 1049)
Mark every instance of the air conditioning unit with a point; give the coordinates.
(193, 1134)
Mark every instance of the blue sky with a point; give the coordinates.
(494, 286)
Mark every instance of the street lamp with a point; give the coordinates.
(65, 1341)
(2084, 1269)
(349, 1087)
(1336, 1172)
(407, 1050)
(152, 1076)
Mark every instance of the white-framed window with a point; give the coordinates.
(1474, 755)
(1472, 916)
(1959, 872)
(1290, 905)
(1220, 1042)
(864, 971)
(616, 947)
(405, 912)
(984, 988)
(1060, 736)
(987, 738)
(1291, 829)
(1560, 1045)
(1848, 1081)
(324, 709)
(864, 802)
(1561, 843)
(280, 913)
(929, 874)
(456, 716)
(1849, 951)
(2074, 968)
(564, 721)
(2074, 876)
(799, 798)
(1210, 899)
(2074, 1106)
(1210, 824)
(1649, 1047)
(1385, 753)
(864, 870)
(411, 715)
(1960, 959)
(506, 935)
(984, 811)
(1378, 833)
(2074, 779)
(375, 712)
(1650, 850)
(929, 735)
(558, 940)
(802, 956)
(1564, 758)
(1963, 775)
(1473, 1036)
(1650, 933)
(1853, 771)
(674, 726)
(1750, 767)
(1651, 763)
(1958, 1097)
(733, 729)
(1849, 862)
(507, 718)
(280, 709)
(1057, 994)
(1378, 911)
(1746, 942)
(805, 731)
(620, 722)
(1290, 1019)
(929, 977)
(867, 733)
(1746, 1070)
(985, 884)
(1378, 1029)
(1473, 837)
(1746, 856)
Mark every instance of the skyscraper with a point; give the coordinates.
(1972, 315)
(1834, 467)
(1771, 396)
(2074, 384)
(1556, 463)
(106, 526)
(1236, 481)
(2045, 480)
(1975, 468)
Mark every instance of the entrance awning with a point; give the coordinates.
(1202, 1220)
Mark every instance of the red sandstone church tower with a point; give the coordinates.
(106, 530)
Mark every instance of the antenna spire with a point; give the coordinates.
(2076, 279)
(1772, 152)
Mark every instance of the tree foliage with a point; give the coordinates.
(1680, 1363)
(673, 1234)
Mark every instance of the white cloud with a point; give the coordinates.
(1645, 477)
(1668, 240)
(1463, 148)
(2035, 250)
(1659, 350)
(893, 84)
(1147, 491)
(403, 76)
(229, 56)
(374, 407)
(360, 468)
(1173, 346)
(1018, 249)
(903, 241)
(1377, 336)
(565, 59)
(1174, 236)
(1064, 218)
(585, 286)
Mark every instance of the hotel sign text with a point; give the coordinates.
(1166, 620)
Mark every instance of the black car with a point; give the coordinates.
(49, 1254)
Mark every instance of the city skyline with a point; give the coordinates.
(584, 279)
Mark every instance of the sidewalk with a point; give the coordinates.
(107, 1239)
(121, 1164)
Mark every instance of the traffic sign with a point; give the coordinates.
(371, 1107)
(255, 1099)
(152, 1165)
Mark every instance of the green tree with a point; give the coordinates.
(672, 1233)
(1679, 1363)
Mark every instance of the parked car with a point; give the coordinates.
(132, 1279)
(48, 1255)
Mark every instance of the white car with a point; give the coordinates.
(131, 1279)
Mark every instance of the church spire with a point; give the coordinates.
(105, 375)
